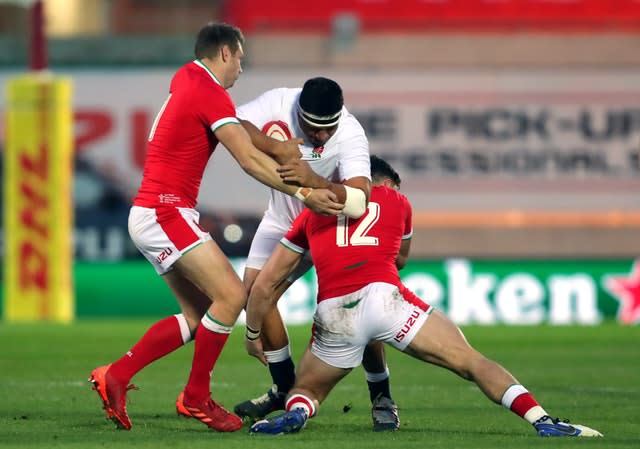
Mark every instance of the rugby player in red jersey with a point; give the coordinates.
(163, 223)
(362, 299)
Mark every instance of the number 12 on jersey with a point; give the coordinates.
(360, 235)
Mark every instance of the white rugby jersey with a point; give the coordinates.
(344, 156)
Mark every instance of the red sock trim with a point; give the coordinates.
(523, 403)
(301, 399)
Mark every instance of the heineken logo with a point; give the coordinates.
(471, 296)
(626, 289)
(510, 292)
(536, 293)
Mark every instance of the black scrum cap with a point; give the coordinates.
(320, 102)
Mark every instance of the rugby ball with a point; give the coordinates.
(277, 129)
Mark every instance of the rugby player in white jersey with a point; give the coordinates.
(336, 152)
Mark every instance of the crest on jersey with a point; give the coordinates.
(317, 152)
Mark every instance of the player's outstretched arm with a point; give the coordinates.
(353, 193)
(262, 296)
(403, 254)
(281, 151)
(320, 200)
(263, 168)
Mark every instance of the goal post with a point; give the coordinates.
(38, 160)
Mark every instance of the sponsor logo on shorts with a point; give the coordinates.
(402, 333)
(163, 255)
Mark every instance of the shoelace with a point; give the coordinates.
(391, 407)
(262, 399)
(553, 420)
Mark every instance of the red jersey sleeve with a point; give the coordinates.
(296, 237)
(408, 218)
(224, 111)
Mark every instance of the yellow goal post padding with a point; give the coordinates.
(38, 160)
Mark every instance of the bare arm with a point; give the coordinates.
(403, 254)
(299, 172)
(263, 168)
(281, 151)
(262, 298)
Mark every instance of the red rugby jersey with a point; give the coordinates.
(349, 254)
(181, 140)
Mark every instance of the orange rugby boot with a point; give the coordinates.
(113, 396)
(210, 413)
(180, 408)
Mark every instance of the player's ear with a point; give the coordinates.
(388, 182)
(225, 53)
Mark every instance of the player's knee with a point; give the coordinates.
(234, 292)
(241, 295)
(260, 290)
(248, 281)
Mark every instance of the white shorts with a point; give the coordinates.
(344, 325)
(164, 234)
(265, 240)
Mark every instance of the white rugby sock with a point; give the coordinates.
(209, 322)
(377, 377)
(278, 355)
(185, 332)
(521, 402)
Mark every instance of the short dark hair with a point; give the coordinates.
(380, 169)
(213, 36)
(321, 101)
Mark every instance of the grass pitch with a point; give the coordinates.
(590, 375)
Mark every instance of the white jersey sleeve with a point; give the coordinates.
(274, 104)
(354, 149)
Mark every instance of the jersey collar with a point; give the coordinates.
(201, 64)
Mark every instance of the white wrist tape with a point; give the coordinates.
(355, 204)
(302, 193)
(251, 334)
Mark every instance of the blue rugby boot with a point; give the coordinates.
(290, 422)
(554, 427)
